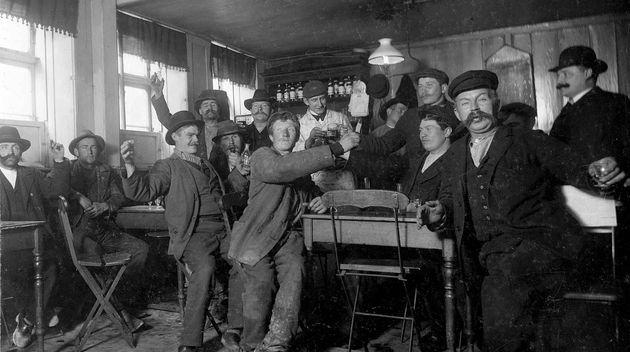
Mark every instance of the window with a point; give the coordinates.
(236, 93)
(17, 67)
(136, 113)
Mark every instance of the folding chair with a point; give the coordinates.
(101, 289)
(395, 269)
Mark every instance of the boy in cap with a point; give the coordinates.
(497, 197)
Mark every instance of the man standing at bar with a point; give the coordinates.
(24, 195)
(192, 190)
(261, 106)
(498, 197)
(266, 243)
(432, 86)
(96, 187)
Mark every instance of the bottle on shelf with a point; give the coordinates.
(292, 93)
(335, 87)
(348, 84)
(279, 93)
(285, 96)
(245, 155)
(299, 92)
(342, 88)
(331, 88)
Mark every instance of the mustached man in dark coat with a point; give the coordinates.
(499, 200)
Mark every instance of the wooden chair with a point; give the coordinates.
(597, 216)
(397, 269)
(99, 286)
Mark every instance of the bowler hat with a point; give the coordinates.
(227, 127)
(314, 88)
(382, 112)
(178, 120)
(207, 94)
(378, 86)
(580, 56)
(259, 95)
(473, 79)
(440, 76)
(87, 134)
(10, 134)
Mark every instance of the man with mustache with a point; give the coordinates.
(192, 190)
(25, 194)
(261, 107)
(498, 199)
(432, 87)
(97, 190)
(594, 122)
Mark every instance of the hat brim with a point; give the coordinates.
(218, 136)
(99, 140)
(23, 143)
(249, 102)
(382, 112)
(169, 133)
(599, 66)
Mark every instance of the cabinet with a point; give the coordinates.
(315, 67)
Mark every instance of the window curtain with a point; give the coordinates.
(238, 68)
(152, 42)
(55, 15)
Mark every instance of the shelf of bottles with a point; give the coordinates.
(293, 93)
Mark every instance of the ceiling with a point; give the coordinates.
(271, 29)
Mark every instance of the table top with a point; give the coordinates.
(364, 215)
(14, 225)
(150, 209)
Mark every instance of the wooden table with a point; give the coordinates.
(18, 235)
(142, 217)
(375, 229)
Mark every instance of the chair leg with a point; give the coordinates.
(414, 312)
(404, 324)
(354, 309)
(214, 323)
(413, 320)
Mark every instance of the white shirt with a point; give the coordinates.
(479, 146)
(308, 122)
(579, 96)
(10, 174)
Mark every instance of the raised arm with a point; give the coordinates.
(148, 187)
(57, 181)
(158, 101)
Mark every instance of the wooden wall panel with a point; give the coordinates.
(199, 74)
(490, 46)
(604, 44)
(622, 36)
(545, 55)
(573, 36)
(522, 41)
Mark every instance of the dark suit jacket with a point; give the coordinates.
(279, 184)
(173, 178)
(42, 189)
(520, 192)
(406, 133)
(596, 126)
(426, 185)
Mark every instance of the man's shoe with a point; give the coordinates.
(230, 340)
(187, 349)
(24, 331)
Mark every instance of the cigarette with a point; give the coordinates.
(305, 204)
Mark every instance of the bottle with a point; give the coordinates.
(335, 87)
(285, 96)
(245, 155)
(348, 84)
(279, 93)
(300, 92)
(292, 93)
(331, 89)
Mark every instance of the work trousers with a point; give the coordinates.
(208, 240)
(271, 297)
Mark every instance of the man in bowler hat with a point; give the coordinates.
(497, 197)
(261, 106)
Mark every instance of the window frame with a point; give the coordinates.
(135, 81)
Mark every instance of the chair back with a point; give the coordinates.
(364, 198)
(67, 230)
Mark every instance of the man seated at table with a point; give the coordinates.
(97, 189)
(265, 243)
(192, 189)
(497, 197)
(25, 193)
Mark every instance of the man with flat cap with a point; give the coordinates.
(594, 122)
(432, 86)
(192, 190)
(497, 196)
(97, 190)
(261, 107)
(25, 194)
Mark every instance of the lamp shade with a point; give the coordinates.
(386, 54)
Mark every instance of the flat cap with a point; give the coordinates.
(440, 76)
(474, 79)
(314, 88)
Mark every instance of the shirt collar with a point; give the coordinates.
(579, 95)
